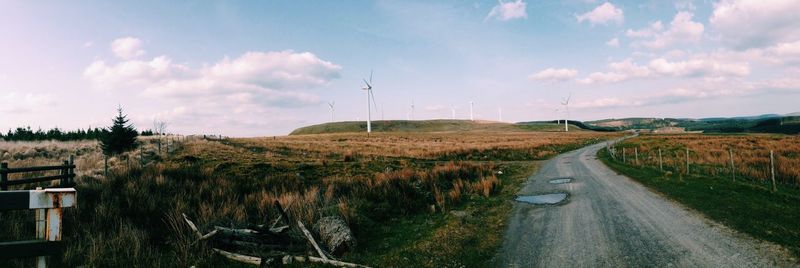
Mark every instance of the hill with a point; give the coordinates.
(426, 126)
(768, 123)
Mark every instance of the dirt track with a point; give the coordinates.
(609, 220)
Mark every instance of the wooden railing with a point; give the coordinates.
(48, 204)
(66, 174)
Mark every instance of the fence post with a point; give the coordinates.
(3, 175)
(733, 169)
(660, 161)
(41, 232)
(141, 157)
(623, 155)
(65, 173)
(71, 179)
(636, 155)
(772, 171)
(687, 160)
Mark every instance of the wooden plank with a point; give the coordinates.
(29, 248)
(37, 179)
(14, 200)
(311, 239)
(32, 169)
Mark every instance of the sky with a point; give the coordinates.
(263, 68)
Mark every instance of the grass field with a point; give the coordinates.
(747, 204)
(418, 126)
(395, 190)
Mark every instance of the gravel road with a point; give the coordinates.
(609, 220)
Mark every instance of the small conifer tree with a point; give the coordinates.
(120, 137)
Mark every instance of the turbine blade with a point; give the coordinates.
(372, 96)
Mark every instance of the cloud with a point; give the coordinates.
(278, 79)
(650, 31)
(603, 14)
(707, 66)
(744, 24)
(681, 30)
(88, 44)
(698, 67)
(554, 75)
(15, 103)
(508, 11)
(614, 42)
(127, 48)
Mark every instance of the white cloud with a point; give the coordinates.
(262, 78)
(127, 48)
(707, 66)
(603, 14)
(681, 30)
(754, 23)
(15, 103)
(553, 75)
(508, 11)
(88, 44)
(650, 31)
(614, 42)
(699, 66)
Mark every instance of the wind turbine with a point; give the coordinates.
(412, 108)
(500, 114)
(565, 102)
(370, 97)
(331, 104)
(471, 115)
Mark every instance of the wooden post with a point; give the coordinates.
(105, 162)
(772, 170)
(636, 155)
(71, 180)
(623, 155)
(141, 157)
(687, 160)
(3, 175)
(733, 169)
(660, 161)
(65, 174)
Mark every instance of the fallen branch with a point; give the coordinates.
(288, 259)
(192, 226)
(311, 239)
(239, 257)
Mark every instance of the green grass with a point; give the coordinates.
(444, 240)
(422, 126)
(745, 206)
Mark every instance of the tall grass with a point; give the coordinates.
(131, 217)
(710, 154)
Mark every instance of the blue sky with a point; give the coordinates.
(265, 68)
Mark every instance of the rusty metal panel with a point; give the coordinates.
(52, 198)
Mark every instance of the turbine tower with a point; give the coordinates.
(471, 115)
(330, 105)
(500, 114)
(565, 102)
(412, 108)
(453, 111)
(370, 98)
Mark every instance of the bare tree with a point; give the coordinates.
(160, 127)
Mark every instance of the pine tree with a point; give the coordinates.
(120, 137)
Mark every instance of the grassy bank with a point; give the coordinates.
(745, 206)
(395, 191)
(468, 236)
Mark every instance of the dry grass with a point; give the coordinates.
(130, 217)
(709, 154)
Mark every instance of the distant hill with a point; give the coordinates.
(425, 126)
(767, 123)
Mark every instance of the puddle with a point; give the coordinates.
(545, 199)
(560, 180)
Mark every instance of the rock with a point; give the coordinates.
(459, 213)
(335, 234)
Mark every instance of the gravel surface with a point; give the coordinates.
(609, 220)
